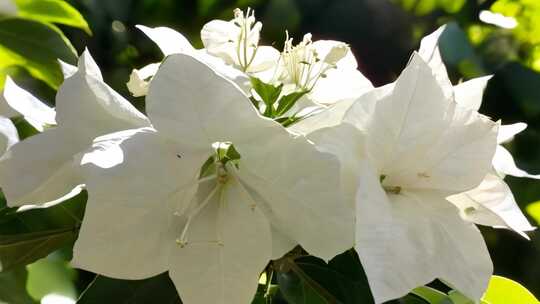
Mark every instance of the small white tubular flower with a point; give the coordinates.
(41, 168)
(326, 69)
(469, 95)
(223, 227)
(37, 113)
(406, 152)
(237, 43)
(139, 80)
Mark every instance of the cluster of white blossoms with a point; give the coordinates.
(210, 184)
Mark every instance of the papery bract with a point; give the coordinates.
(492, 203)
(42, 168)
(406, 151)
(213, 233)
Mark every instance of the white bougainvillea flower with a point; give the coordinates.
(280, 192)
(326, 69)
(492, 203)
(41, 169)
(406, 152)
(237, 42)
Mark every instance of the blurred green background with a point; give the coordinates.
(382, 34)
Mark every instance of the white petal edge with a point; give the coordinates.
(38, 114)
(167, 39)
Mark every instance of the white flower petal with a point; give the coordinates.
(503, 163)
(430, 52)
(168, 40)
(34, 111)
(340, 85)
(228, 246)
(41, 168)
(267, 58)
(334, 114)
(228, 71)
(408, 240)
(429, 142)
(99, 109)
(68, 70)
(8, 134)
(135, 183)
(5, 109)
(507, 132)
(492, 204)
(281, 244)
(301, 185)
(324, 47)
(220, 39)
(345, 142)
(469, 94)
(191, 103)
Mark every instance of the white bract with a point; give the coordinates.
(213, 231)
(492, 203)
(41, 168)
(407, 150)
(34, 111)
(8, 134)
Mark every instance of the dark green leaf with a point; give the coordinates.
(311, 280)
(268, 93)
(287, 102)
(36, 47)
(103, 290)
(33, 234)
(52, 11)
(411, 299)
(13, 287)
(25, 248)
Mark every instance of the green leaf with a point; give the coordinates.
(534, 211)
(268, 93)
(51, 276)
(52, 11)
(104, 290)
(33, 234)
(25, 248)
(412, 299)
(459, 298)
(287, 102)
(311, 280)
(504, 291)
(13, 287)
(431, 295)
(36, 47)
